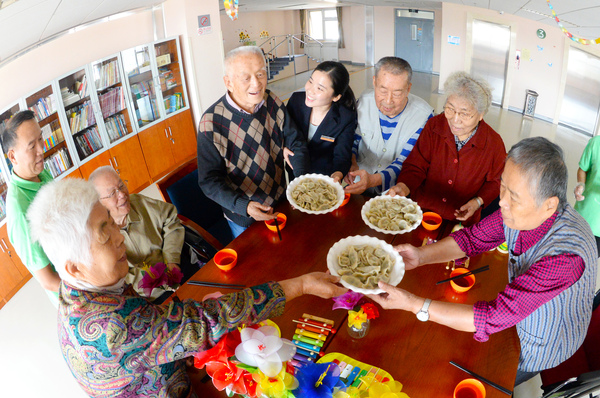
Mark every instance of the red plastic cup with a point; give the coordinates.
(281, 219)
(226, 259)
(431, 221)
(469, 388)
(463, 284)
(346, 199)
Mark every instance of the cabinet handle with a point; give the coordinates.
(166, 134)
(170, 132)
(115, 159)
(111, 163)
(4, 243)
(1, 248)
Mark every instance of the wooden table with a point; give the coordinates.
(415, 353)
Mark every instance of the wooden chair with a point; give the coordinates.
(180, 187)
(578, 376)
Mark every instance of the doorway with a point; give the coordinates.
(491, 43)
(414, 38)
(581, 101)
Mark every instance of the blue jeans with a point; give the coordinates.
(236, 230)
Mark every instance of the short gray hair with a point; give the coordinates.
(477, 91)
(9, 134)
(58, 220)
(101, 171)
(242, 50)
(543, 164)
(394, 65)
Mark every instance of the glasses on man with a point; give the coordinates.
(121, 188)
(450, 112)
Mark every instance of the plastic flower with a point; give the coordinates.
(347, 300)
(278, 386)
(317, 380)
(224, 349)
(370, 310)
(389, 389)
(154, 276)
(224, 374)
(356, 319)
(264, 349)
(174, 276)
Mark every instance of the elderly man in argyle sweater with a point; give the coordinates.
(240, 143)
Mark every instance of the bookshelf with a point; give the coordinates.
(57, 154)
(111, 96)
(137, 66)
(79, 113)
(172, 85)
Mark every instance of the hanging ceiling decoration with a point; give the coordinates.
(231, 7)
(570, 35)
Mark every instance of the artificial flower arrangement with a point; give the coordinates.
(264, 34)
(159, 276)
(359, 315)
(244, 36)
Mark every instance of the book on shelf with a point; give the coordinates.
(147, 109)
(81, 117)
(141, 89)
(108, 75)
(167, 80)
(116, 127)
(88, 142)
(44, 107)
(173, 102)
(58, 162)
(68, 96)
(52, 135)
(112, 101)
(81, 87)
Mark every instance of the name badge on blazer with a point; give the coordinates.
(327, 138)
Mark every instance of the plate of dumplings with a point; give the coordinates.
(362, 261)
(392, 215)
(315, 194)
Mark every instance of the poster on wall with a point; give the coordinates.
(455, 40)
(204, 27)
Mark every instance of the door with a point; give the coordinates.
(491, 43)
(128, 159)
(414, 38)
(156, 146)
(581, 100)
(183, 133)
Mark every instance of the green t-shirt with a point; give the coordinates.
(589, 208)
(20, 195)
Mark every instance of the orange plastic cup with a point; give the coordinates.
(226, 259)
(346, 199)
(469, 388)
(463, 284)
(281, 219)
(431, 221)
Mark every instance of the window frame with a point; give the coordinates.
(323, 20)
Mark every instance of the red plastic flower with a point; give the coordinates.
(224, 349)
(225, 374)
(371, 311)
(347, 300)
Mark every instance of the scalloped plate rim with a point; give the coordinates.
(297, 180)
(364, 209)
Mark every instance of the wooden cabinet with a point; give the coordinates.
(128, 161)
(169, 144)
(13, 274)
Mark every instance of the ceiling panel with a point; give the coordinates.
(68, 14)
(18, 7)
(111, 7)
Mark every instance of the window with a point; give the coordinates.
(323, 24)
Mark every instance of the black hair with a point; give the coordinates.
(9, 134)
(340, 80)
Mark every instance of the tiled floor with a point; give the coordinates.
(31, 364)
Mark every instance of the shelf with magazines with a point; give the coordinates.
(172, 85)
(112, 98)
(45, 104)
(79, 113)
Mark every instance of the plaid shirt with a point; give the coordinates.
(460, 144)
(543, 281)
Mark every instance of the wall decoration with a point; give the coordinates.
(518, 59)
(454, 40)
(541, 33)
(526, 54)
(570, 35)
(540, 48)
(264, 34)
(231, 8)
(244, 36)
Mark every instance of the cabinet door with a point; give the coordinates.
(183, 132)
(128, 159)
(12, 277)
(156, 146)
(88, 167)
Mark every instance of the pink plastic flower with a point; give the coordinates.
(155, 276)
(347, 300)
(174, 276)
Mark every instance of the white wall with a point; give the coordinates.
(543, 73)
(353, 22)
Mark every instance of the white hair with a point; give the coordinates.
(102, 171)
(242, 50)
(58, 220)
(476, 91)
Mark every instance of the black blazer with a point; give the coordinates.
(330, 149)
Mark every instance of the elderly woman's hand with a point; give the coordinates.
(399, 189)
(397, 299)
(467, 210)
(316, 283)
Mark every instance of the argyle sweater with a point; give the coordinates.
(240, 155)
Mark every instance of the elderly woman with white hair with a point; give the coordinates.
(455, 167)
(115, 342)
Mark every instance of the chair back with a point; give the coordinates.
(180, 187)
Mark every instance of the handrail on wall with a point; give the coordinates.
(273, 44)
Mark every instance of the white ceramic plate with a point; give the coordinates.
(367, 206)
(327, 179)
(341, 245)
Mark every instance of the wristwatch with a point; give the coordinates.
(423, 315)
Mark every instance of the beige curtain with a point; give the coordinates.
(340, 28)
(303, 26)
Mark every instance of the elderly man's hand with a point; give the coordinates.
(318, 284)
(467, 210)
(337, 176)
(399, 189)
(395, 298)
(410, 255)
(579, 192)
(259, 211)
(358, 187)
